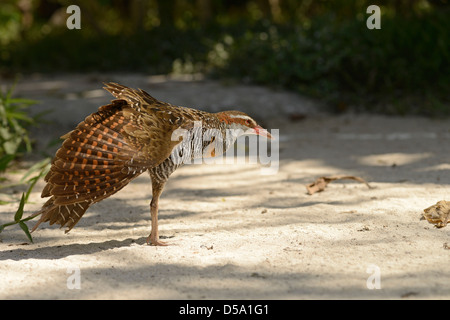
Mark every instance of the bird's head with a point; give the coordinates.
(240, 120)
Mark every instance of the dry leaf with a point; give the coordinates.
(321, 183)
(438, 214)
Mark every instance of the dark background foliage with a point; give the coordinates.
(320, 48)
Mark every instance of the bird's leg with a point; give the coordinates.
(153, 238)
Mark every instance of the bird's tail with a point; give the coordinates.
(64, 215)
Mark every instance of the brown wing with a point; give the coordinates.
(103, 154)
(151, 124)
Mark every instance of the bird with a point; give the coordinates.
(133, 134)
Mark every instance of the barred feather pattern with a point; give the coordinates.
(94, 162)
(197, 145)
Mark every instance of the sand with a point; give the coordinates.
(235, 233)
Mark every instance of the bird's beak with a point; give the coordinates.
(260, 131)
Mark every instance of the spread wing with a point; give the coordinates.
(105, 152)
(150, 124)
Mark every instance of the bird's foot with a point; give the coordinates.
(154, 241)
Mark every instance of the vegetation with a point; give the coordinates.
(14, 120)
(41, 168)
(320, 48)
(14, 142)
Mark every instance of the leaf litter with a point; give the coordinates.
(321, 183)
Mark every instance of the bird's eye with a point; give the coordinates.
(247, 122)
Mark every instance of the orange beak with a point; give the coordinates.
(260, 131)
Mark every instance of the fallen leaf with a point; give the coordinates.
(438, 214)
(321, 183)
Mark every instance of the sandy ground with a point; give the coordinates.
(236, 233)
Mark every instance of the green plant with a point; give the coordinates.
(14, 142)
(317, 48)
(41, 168)
(14, 122)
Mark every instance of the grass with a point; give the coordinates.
(15, 122)
(14, 142)
(40, 169)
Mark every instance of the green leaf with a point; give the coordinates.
(30, 188)
(23, 101)
(20, 116)
(44, 168)
(8, 94)
(34, 168)
(32, 216)
(19, 211)
(11, 146)
(5, 160)
(25, 229)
